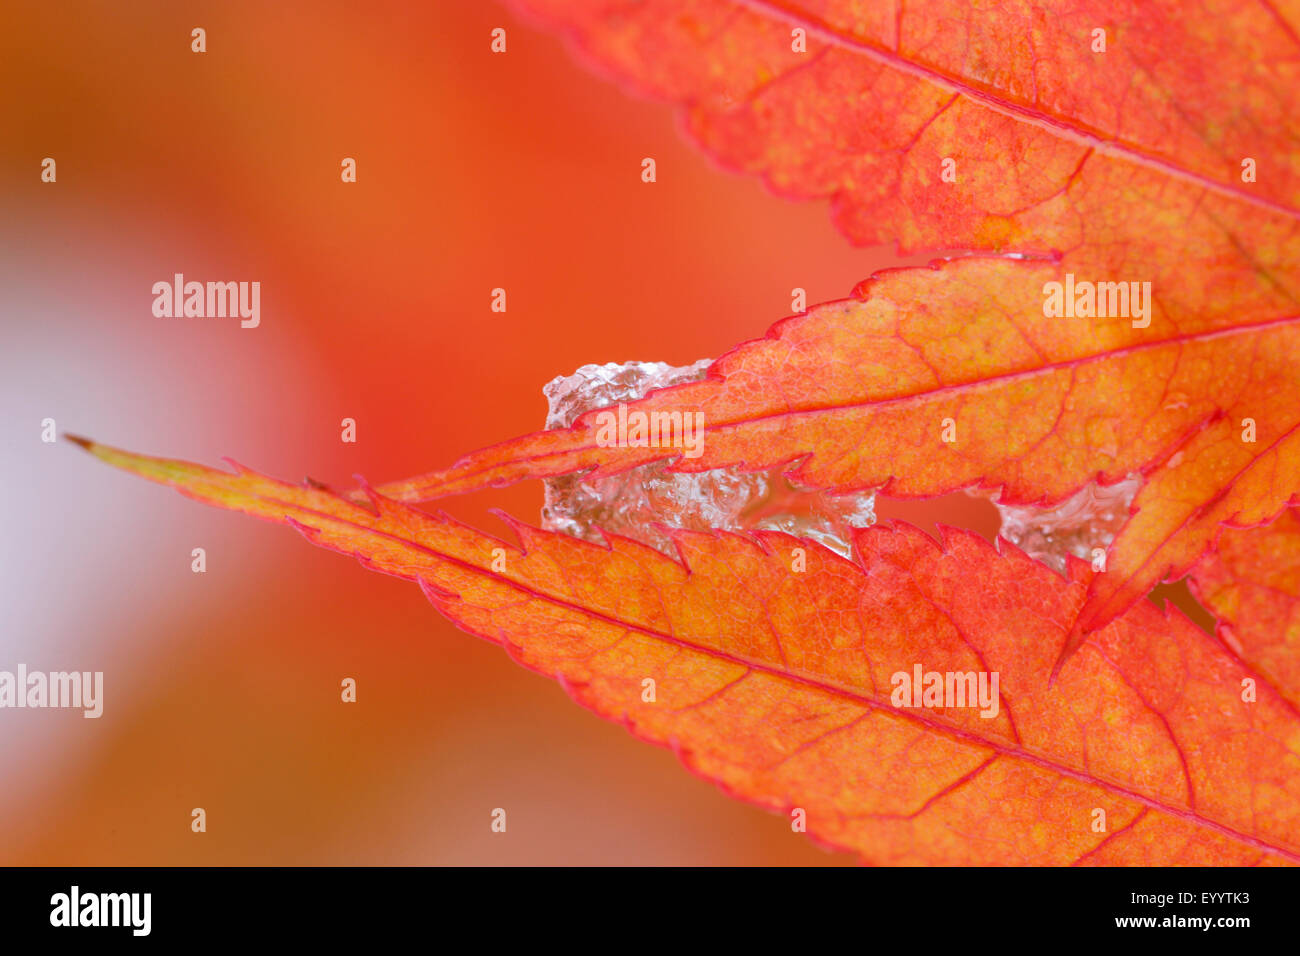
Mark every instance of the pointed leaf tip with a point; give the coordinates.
(776, 683)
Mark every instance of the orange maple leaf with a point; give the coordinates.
(778, 670)
(952, 377)
(1251, 583)
(1091, 136)
(1128, 155)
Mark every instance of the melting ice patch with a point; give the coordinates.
(633, 502)
(726, 499)
(1087, 520)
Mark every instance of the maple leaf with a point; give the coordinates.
(1251, 583)
(1128, 159)
(951, 377)
(1084, 133)
(780, 680)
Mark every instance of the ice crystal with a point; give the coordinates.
(1089, 519)
(633, 502)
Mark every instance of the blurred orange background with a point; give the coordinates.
(475, 170)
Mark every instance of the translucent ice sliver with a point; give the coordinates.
(1090, 519)
(725, 499)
